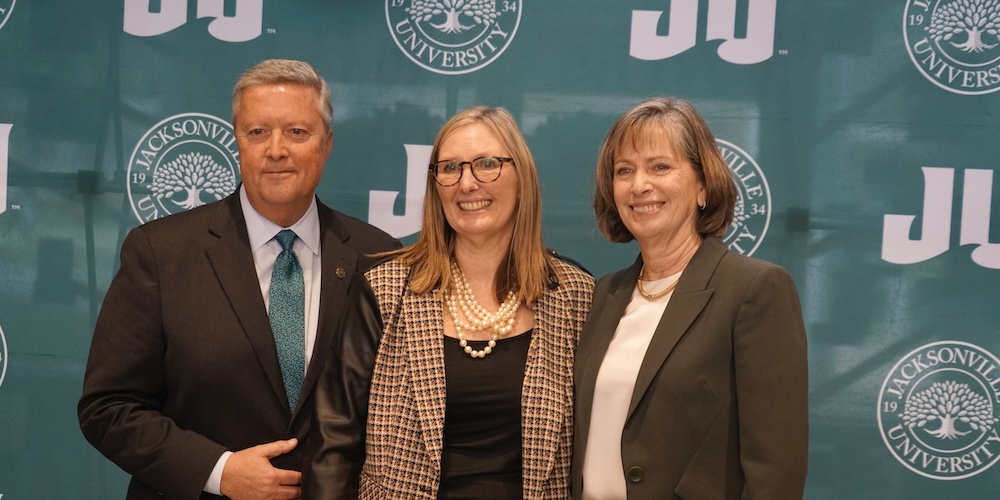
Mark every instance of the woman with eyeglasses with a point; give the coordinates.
(457, 357)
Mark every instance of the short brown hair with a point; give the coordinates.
(527, 267)
(691, 137)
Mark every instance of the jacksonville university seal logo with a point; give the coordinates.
(955, 43)
(6, 7)
(182, 162)
(938, 410)
(753, 202)
(453, 37)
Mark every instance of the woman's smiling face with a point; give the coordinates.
(656, 189)
(474, 209)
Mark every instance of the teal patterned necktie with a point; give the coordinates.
(287, 315)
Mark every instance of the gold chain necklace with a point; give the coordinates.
(461, 298)
(653, 296)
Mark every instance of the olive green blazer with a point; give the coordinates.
(719, 409)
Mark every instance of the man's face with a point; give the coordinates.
(283, 146)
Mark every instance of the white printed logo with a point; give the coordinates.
(938, 410)
(4, 155)
(753, 203)
(453, 37)
(243, 23)
(757, 46)
(3, 356)
(955, 43)
(6, 7)
(381, 203)
(935, 230)
(182, 162)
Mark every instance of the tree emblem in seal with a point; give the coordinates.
(479, 12)
(969, 18)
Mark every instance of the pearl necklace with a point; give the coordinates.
(478, 318)
(653, 296)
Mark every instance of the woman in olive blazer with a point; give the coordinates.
(691, 374)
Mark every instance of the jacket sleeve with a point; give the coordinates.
(121, 409)
(335, 450)
(769, 342)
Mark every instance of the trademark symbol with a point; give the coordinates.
(782, 52)
(272, 31)
(15, 207)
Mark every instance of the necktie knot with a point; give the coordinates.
(286, 238)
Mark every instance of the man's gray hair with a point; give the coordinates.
(277, 71)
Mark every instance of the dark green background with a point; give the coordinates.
(839, 119)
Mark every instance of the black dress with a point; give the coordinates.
(481, 456)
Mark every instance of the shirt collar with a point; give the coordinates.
(261, 230)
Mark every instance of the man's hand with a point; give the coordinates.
(248, 474)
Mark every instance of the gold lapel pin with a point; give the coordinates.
(341, 273)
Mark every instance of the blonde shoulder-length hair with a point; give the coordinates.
(526, 269)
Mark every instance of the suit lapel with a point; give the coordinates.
(685, 305)
(424, 324)
(603, 319)
(542, 397)
(598, 331)
(232, 262)
(339, 262)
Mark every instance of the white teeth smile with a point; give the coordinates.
(474, 205)
(646, 208)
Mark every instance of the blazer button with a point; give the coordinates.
(635, 474)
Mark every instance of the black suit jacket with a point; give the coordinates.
(720, 404)
(183, 364)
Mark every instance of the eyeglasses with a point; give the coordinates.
(293, 135)
(484, 169)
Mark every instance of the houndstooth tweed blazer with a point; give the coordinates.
(407, 403)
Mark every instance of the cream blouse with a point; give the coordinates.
(604, 477)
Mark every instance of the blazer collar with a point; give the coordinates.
(544, 386)
(422, 325)
(688, 301)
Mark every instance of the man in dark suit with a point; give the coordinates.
(187, 388)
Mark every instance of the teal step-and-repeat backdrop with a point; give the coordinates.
(863, 135)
